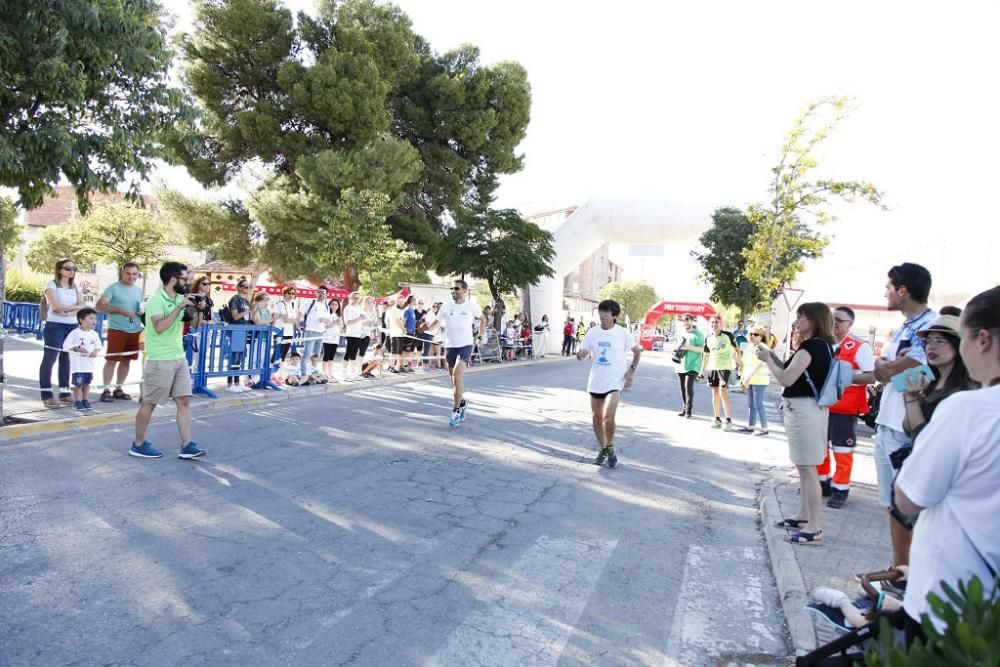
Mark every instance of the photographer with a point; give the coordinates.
(165, 371)
(202, 305)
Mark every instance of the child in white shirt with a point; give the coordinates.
(83, 344)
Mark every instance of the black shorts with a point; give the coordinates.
(351, 350)
(397, 345)
(329, 351)
(602, 395)
(718, 378)
(409, 343)
(841, 431)
(451, 354)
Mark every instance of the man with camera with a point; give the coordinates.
(165, 372)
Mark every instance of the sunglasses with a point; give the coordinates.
(69, 268)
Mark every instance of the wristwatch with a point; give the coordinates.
(632, 367)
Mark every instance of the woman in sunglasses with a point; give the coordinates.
(64, 299)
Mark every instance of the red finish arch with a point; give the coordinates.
(671, 308)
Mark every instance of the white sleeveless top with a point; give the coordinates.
(67, 296)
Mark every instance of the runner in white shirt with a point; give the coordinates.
(610, 373)
(458, 320)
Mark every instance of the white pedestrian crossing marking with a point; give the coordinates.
(529, 614)
(721, 610)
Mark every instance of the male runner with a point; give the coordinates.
(610, 373)
(458, 320)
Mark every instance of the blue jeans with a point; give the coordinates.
(311, 347)
(755, 405)
(54, 335)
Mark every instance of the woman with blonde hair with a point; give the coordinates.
(805, 421)
(754, 378)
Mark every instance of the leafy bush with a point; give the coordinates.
(972, 637)
(24, 286)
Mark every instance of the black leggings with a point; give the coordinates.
(286, 345)
(329, 351)
(352, 347)
(687, 389)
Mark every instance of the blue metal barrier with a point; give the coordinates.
(23, 319)
(233, 351)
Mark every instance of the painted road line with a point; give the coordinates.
(528, 615)
(724, 614)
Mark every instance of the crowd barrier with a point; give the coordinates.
(22, 318)
(223, 351)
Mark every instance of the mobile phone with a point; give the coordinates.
(900, 380)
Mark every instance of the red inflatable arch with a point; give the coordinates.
(670, 308)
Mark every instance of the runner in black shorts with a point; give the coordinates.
(458, 320)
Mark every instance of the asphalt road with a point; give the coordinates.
(361, 529)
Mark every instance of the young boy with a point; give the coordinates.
(373, 362)
(610, 373)
(83, 344)
(314, 371)
(293, 370)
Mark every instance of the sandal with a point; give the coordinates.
(791, 524)
(802, 537)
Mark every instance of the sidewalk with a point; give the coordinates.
(22, 402)
(856, 539)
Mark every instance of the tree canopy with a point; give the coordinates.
(499, 247)
(787, 229)
(634, 297)
(351, 100)
(84, 95)
(722, 261)
(108, 234)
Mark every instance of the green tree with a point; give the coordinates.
(223, 228)
(499, 247)
(404, 266)
(10, 231)
(55, 243)
(511, 302)
(634, 297)
(787, 228)
(350, 100)
(722, 261)
(84, 96)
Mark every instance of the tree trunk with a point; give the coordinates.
(352, 281)
(3, 296)
(498, 306)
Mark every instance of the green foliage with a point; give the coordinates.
(404, 266)
(10, 231)
(972, 636)
(84, 94)
(634, 297)
(511, 301)
(25, 286)
(221, 228)
(786, 230)
(108, 234)
(499, 247)
(722, 261)
(351, 100)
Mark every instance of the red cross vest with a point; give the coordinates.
(855, 398)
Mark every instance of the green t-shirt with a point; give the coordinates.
(128, 297)
(720, 352)
(169, 345)
(692, 360)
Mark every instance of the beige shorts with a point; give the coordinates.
(163, 380)
(805, 427)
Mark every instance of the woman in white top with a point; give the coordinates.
(953, 475)
(355, 321)
(286, 315)
(331, 338)
(64, 300)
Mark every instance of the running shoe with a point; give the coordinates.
(612, 457)
(601, 457)
(728, 426)
(78, 406)
(717, 423)
(145, 451)
(86, 405)
(191, 451)
(744, 429)
(462, 408)
(456, 417)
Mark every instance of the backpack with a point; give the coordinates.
(225, 315)
(43, 308)
(838, 379)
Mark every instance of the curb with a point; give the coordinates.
(787, 574)
(15, 432)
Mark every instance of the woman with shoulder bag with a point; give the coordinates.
(65, 299)
(805, 421)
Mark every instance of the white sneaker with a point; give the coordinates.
(830, 597)
(234, 389)
(244, 388)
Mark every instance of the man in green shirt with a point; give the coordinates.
(165, 372)
(720, 360)
(690, 366)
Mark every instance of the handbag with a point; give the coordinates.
(678, 355)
